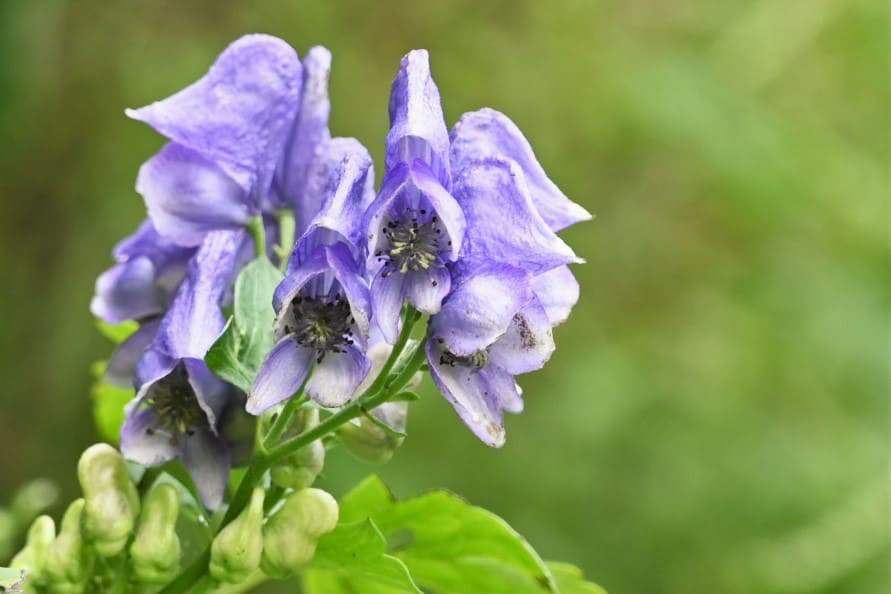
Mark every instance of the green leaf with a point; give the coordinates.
(450, 545)
(117, 333)
(355, 553)
(247, 338)
(571, 580)
(108, 404)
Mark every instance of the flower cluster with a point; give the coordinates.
(462, 230)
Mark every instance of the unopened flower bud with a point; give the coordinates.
(32, 558)
(375, 440)
(235, 552)
(69, 563)
(290, 536)
(155, 551)
(112, 502)
(300, 469)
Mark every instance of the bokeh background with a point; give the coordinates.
(716, 416)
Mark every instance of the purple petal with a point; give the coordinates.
(283, 372)
(146, 241)
(528, 342)
(557, 291)
(347, 273)
(426, 289)
(121, 369)
(310, 127)
(387, 296)
(376, 216)
(488, 134)
(334, 381)
(346, 194)
(143, 439)
(481, 308)
(188, 195)
(468, 392)
(211, 392)
(240, 113)
(206, 457)
(300, 272)
(417, 126)
(502, 223)
(128, 291)
(194, 320)
(450, 214)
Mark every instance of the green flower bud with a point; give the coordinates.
(235, 552)
(69, 562)
(300, 470)
(155, 551)
(32, 558)
(112, 502)
(375, 440)
(290, 536)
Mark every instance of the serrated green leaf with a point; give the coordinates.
(237, 354)
(571, 580)
(117, 333)
(450, 545)
(223, 360)
(108, 404)
(357, 553)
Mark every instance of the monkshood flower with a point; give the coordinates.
(149, 269)
(496, 323)
(241, 137)
(415, 227)
(179, 402)
(322, 306)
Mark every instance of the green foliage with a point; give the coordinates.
(570, 579)
(447, 544)
(237, 354)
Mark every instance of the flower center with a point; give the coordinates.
(175, 403)
(476, 360)
(321, 325)
(412, 245)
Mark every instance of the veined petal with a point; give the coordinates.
(481, 308)
(387, 296)
(310, 128)
(347, 273)
(127, 291)
(417, 125)
(282, 373)
(194, 320)
(502, 223)
(206, 457)
(557, 291)
(376, 216)
(445, 206)
(335, 379)
(146, 242)
(487, 133)
(121, 369)
(240, 113)
(210, 391)
(143, 438)
(528, 342)
(426, 289)
(188, 195)
(467, 391)
(347, 192)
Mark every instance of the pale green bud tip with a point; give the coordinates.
(155, 552)
(68, 562)
(236, 550)
(291, 535)
(112, 502)
(32, 557)
(301, 469)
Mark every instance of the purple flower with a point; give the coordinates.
(323, 306)
(179, 401)
(415, 227)
(241, 139)
(490, 328)
(322, 321)
(141, 284)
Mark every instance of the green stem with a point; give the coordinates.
(411, 317)
(258, 232)
(286, 230)
(283, 420)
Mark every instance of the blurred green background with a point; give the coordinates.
(716, 416)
